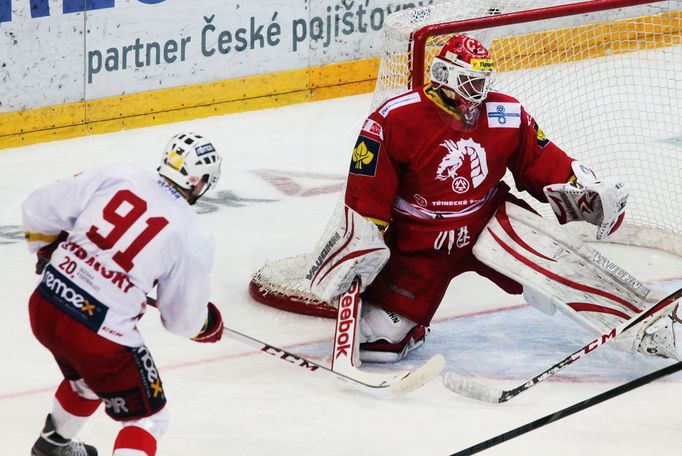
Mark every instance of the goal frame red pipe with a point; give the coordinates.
(419, 37)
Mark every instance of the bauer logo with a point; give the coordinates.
(365, 157)
(71, 299)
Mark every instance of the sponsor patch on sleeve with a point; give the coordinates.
(503, 115)
(373, 128)
(365, 157)
(542, 139)
(404, 100)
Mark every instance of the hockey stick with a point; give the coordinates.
(477, 390)
(396, 384)
(552, 417)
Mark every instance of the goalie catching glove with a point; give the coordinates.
(585, 198)
(354, 246)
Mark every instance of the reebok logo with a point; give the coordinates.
(345, 330)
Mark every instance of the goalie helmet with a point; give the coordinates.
(192, 163)
(463, 69)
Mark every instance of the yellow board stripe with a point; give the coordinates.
(185, 103)
(590, 41)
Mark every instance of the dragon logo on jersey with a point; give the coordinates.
(461, 153)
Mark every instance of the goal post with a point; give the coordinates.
(603, 79)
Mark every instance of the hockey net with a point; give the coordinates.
(603, 79)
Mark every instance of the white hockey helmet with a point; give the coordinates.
(189, 159)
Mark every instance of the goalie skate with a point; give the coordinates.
(659, 337)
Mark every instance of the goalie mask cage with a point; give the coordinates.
(602, 78)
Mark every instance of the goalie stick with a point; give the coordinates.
(575, 408)
(345, 351)
(393, 384)
(477, 390)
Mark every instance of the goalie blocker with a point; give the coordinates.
(560, 272)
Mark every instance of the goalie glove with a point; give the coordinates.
(354, 246)
(597, 202)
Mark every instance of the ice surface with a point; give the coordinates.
(282, 172)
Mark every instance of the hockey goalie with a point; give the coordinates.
(425, 187)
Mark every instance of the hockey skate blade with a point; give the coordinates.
(420, 377)
(470, 388)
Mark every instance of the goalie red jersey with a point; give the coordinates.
(430, 164)
(448, 176)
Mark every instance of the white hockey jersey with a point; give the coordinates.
(128, 231)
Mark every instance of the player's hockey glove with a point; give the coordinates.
(600, 203)
(213, 328)
(45, 253)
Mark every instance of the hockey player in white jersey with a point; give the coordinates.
(104, 239)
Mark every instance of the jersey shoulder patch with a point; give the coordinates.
(502, 114)
(373, 128)
(365, 157)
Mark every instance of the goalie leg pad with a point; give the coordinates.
(563, 272)
(352, 247)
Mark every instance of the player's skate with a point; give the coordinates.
(388, 337)
(659, 337)
(50, 443)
